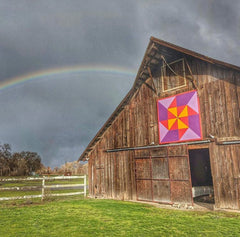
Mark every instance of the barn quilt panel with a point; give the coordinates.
(179, 118)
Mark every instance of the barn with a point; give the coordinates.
(175, 135)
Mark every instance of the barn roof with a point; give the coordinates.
(154, 52)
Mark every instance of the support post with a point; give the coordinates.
(43, 186)
(85, 185)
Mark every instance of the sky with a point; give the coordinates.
(66, 65)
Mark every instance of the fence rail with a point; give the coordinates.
(43, 187)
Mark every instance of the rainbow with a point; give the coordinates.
(65, 71)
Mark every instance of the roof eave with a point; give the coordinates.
(194, 54)
(139, 80)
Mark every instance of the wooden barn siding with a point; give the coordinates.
(137, 125)
(219, 99)
(225, 169)
(219, 92)
(113, 173)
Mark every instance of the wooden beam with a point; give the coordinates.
(150, 74)
(198, 146)
(192, 79)
(150, 87)
(158, 146)
(225, 139)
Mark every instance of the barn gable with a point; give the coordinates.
(127, 159)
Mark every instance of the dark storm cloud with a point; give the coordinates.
(53, 115)
(42, 34)
(58, 116)
(211, 27)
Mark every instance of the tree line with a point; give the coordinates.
(73, 168)
(18, 163)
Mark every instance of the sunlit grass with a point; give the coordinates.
(70, 181)
(21, 183)
(88, 217)
(16, 193)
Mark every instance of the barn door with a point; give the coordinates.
(143, 174)
(160, 176)
(163, 175)
(179, 169)
(99, 186)
(152, 176)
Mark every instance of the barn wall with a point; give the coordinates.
(225, 163)
(219, 92)
(112, 175)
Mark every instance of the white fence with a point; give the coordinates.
(44, 187)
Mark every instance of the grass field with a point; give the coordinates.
(88, 217)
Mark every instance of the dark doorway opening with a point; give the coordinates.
(200, 167)
(201, 176)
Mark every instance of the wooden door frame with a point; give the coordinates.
(200, 147)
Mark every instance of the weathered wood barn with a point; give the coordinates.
(175, 135)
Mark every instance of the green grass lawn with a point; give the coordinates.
(91, 217)
(21, 183)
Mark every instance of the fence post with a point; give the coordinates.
(85, 186)
(43, 186)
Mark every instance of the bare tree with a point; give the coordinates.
(23, 163)
(5, 155)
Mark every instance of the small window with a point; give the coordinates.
(173, 75)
